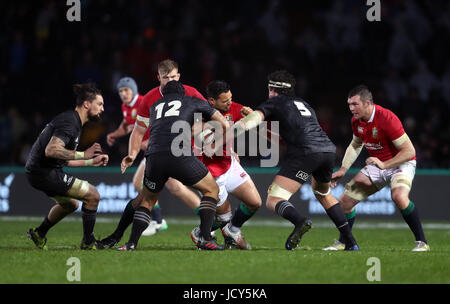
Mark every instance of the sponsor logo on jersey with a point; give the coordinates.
(375, 133)
(67, 179)
(360, 130)
(302, 175)
(372, 146)
(243, 174)
(228, 117)
(150, 185)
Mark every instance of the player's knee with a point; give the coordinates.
(72, 206)
(174, 186)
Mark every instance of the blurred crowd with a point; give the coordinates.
(329, 46)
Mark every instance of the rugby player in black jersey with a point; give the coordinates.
(55, 148)
(309, 153)
(168, 115)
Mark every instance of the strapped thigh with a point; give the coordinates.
(79, 188)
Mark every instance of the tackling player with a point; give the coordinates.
(162, 162)
(309, 153)
(167, 71)
(392, 162)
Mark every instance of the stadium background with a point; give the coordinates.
(329, 46)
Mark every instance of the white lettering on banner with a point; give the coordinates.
(114, 198)
(379, 203)
(4, 192)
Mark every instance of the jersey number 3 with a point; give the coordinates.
(302, 108)
(172, 111)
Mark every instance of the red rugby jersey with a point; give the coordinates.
(129, 113)
(218, 165)
(379, 133)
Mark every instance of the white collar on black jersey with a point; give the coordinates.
(131, 104)
(373, 114)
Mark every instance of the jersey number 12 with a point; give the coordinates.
(173, 110)
(302, 108)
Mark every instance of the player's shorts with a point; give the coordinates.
(230, 180)
(300, 167)
(161, 165)
(53, 182)
(381, 178)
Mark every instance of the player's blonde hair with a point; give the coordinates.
(166, 66)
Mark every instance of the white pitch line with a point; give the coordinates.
(253, 222)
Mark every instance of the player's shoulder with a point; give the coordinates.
(152, 95)
(382, 114)
(65, 117)
(188, 88)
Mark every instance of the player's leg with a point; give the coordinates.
(88, 194)
(223, 211)
(157, 223)
(334, 211)
(400, 188)
(63, 207)
(142, 217)
(184, 193)
(356, 190)
(251, 201)
(277, 201)
(126, 219)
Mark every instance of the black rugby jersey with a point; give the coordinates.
(299, 127)
(168, 110)
(67, 127)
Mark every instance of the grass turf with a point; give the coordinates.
(171, 257)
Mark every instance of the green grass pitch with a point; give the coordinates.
(171, 257)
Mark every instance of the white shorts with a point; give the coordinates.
(230, 180)
(381, 178)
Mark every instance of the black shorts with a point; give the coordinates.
(53, 182)
(161, 165)
(300, 168)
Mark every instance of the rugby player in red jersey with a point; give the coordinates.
(392, 162)
(229, 175)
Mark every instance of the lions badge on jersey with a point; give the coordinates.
(228, 117)
(360, 130)
(375, 133)
(133, 113)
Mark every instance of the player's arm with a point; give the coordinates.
(99, 160)
(56, 148)
(249, 122)
(405, 149)
(351, 154)
(134, 144)
(122, 130)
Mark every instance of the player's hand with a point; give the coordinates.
(375, 162)
(110, 139)
(246, 110)
(337, 176)
(127, 161)
(101, 160)
(93, 151)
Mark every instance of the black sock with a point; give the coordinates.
(336, 214)
(88, 217)
(125, 220)
(207, 212)
(286, 210)
(411, 216)
(157, 214)
(351, 216)
(44, 227)
(142, 217)
(241, 215)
